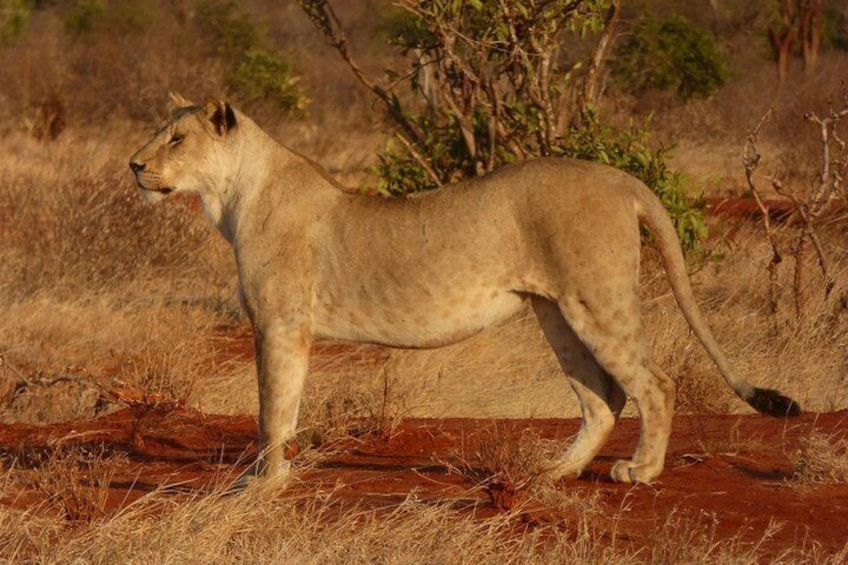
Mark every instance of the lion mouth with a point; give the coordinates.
(165, 190)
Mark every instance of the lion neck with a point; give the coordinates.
(266, 175)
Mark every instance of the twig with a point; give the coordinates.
(325, 20)
(751, 158)
(811, 207)
(419, 159)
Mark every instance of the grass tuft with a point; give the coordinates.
(820, 460)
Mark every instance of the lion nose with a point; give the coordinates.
(136, 167)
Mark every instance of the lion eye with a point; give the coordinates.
(176, 139)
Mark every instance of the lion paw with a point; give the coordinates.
(562, 470)
(252, 477)
(630, 473)
(242, 483)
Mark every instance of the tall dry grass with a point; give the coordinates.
(284, 527)
(821, 459)
(94, 283)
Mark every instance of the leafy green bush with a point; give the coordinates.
(260, 75)
(255, 73)
(86, 16)
(673, 54)
(14, 17)
(493, 100)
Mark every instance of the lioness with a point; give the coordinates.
(437, 267)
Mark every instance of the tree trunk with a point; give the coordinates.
(810, 31)
(783, 39)
(593, 86)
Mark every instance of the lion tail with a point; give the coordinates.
(651, 212)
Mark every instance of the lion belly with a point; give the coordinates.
(386, 317)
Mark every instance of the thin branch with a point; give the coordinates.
(324, 18)
(823, 192)
(751, 159)
(809, 232)
(592, 86)
(419, 159)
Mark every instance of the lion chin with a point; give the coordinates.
(318, 261)
(154, 195)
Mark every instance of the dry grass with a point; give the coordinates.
(73, 482)
(261, 527)
(96, 286)
(820, 460)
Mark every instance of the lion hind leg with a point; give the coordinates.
(601, 398)
(619, 346)
(655, 400)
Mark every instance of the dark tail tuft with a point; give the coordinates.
(773, 403)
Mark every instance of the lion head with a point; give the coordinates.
(188, 154)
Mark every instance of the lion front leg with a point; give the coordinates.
(282, 356)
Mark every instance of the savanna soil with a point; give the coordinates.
(730, 472)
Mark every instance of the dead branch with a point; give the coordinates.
(811, 205)
(324, 19)
(419, 159)
(751, 159)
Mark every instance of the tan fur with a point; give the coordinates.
(432, 269)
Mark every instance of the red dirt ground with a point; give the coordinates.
(732, 471)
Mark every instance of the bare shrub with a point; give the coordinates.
(814, 206)
(503, 464)
(160, 377)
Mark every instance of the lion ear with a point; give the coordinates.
(222, 116)
(177, 102)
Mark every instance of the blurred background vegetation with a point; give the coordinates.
(624, 81)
